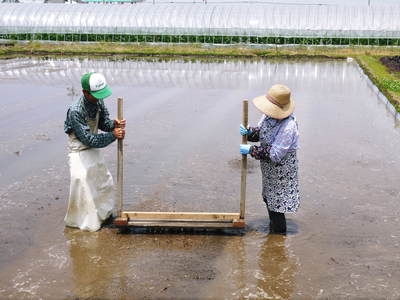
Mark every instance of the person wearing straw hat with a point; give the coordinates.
(277, 132)
(91, 196)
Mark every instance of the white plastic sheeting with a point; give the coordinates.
(198, 19)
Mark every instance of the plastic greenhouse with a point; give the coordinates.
(203, 23)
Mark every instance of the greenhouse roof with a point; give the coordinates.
(203, 19)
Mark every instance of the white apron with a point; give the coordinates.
(91, 196)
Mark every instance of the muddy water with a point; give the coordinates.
(181, 153)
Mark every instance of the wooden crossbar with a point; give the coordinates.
(181, 215)
(179, 219)
(183, 224)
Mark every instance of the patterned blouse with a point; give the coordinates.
(285, 139)
(76, 122)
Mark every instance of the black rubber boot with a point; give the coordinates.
(277, 221)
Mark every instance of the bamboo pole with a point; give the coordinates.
(245, 122)
(120, 157)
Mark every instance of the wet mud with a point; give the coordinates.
(181, 154)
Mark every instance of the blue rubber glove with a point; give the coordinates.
(244, 148)
(243, 130)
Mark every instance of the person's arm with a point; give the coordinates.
(286, 137)
(82, 132)
(105, 124)
(259, 152)
(253, 134)
(283, 141)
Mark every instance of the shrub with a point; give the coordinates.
(226, 40)
(391, 84)
(217, 39)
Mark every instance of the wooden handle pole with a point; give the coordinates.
(245, 122)
(120, 166)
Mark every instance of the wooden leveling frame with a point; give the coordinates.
(180, 219)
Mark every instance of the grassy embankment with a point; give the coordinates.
(198, 50)
(388, 82)
(368, 57)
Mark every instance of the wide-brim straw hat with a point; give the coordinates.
(277, 103)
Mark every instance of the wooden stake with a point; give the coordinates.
(245, 122)
(120, 169)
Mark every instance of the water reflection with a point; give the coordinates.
(92, 271)
(276, 269)
(174, 73)
(103, 265)
(108, 265)
(206, 75)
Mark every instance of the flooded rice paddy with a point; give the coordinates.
(181, 154)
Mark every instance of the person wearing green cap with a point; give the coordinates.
(91, 197)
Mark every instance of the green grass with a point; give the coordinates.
(387, 81)
(198, 50)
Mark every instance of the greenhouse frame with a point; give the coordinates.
(203, 23)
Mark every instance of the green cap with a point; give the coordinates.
(96, 85)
